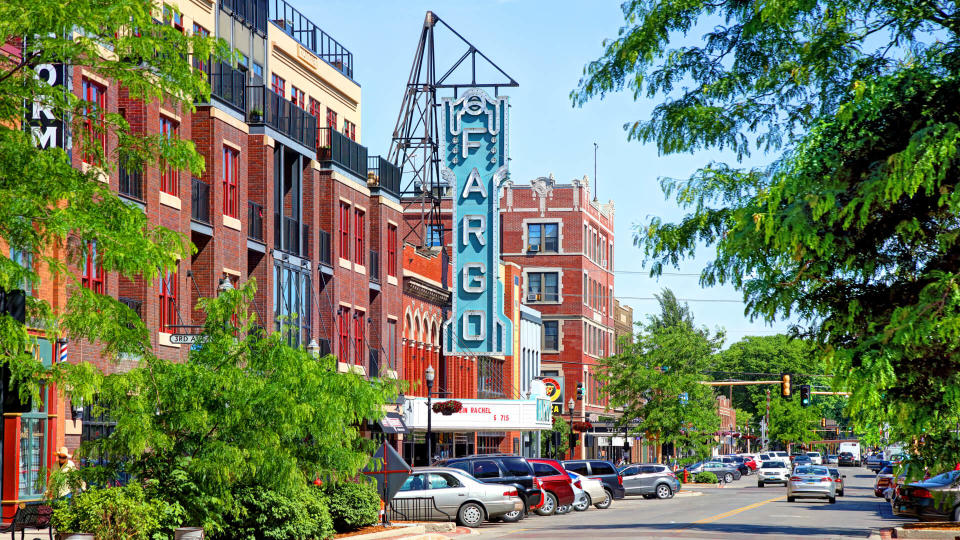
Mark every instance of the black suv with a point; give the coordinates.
(504, 469)
(600, 470)
(846, 459)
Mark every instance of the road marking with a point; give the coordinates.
(733, 512)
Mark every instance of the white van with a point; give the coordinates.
(853, 448)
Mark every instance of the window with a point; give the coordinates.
(543, 469)
(298, 96)
(278, 85)
(32, 456)
(91, 272)
(579, 468)
(344, 335)
(601, 468)
(331, 119)
(168, 177)
(201, 64)
(316, 110)
(350, 129)
(443, 481)
(542, 287)
(359, 322)
(551, 335)
(485, 469)
(359, 252)
(96, 97)
(168, 301)
(543, 237)
(25, 260)
(173, 17)
(344, 231)
(414, 482)
(231, 179)
(392, 343)
(257, 72)
(516, 467)
(392, 250)
(586, 296)
(434, 236)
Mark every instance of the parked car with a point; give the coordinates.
(780, 454)
(832, 459)
(811, 481)
(883, 481)
(751, 461)
(736, 462)
(802, 459)
(503, 469)
(816, 458)
(555, 482)
(847, 459)
(589, 490)
(874, 462)
(724, 471)
(934, 499)
(838, 478)
(773, 472)
(602, 470)
(456, 496)
(650, 480)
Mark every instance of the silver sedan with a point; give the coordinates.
(446, 494)
(811, 481)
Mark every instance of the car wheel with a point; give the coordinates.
(760, 484)
(737, 475)
(470, 515)
(956, 514)
(728, 477)
(664, 492)
(564, 509)
(833, 500)
(513, 517)
(841, 494)
(607, 501)
(549, 505)
(582, 504)
(791, 499)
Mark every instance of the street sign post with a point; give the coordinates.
(390, 474)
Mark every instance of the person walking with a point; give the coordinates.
(65, 465)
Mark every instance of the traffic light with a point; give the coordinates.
(579, 391)
(805, 395)
(823, 422)
(785, 387)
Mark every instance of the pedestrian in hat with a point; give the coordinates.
(65, 466)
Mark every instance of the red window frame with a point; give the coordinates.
(198, 63)
(344, 336)
(331, 118)
(350, 129)
(168, 177)
(316, 111)
(392, 250)
(358, 336)
(358, 218)
(91, 273)
(168, 302)
(298, 96)
(231, 182)
(344, 231)
(278, 85)
(96, 94)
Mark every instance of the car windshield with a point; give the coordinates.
(943, 479)
(811, 470)
(774, 465)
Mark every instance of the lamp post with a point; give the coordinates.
(314, 349)
(428, 375)
(570, 405)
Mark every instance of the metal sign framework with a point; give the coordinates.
(417, 136)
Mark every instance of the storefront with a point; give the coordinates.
(483, 426)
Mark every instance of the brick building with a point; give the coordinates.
(623, 328)
(562, 240)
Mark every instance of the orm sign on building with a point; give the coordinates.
(475, 149)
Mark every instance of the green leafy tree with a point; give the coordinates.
(791, 423)
(852, 229)
(246, 410)
(563, 428)
(53, 211)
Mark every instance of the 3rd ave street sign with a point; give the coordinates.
(186, 339)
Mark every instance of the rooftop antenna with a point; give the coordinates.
(594, 172)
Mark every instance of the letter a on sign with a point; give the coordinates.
(474, 162)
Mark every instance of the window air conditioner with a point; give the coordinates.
(533, 297)
(533, 248)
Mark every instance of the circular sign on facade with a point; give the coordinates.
(554, 388)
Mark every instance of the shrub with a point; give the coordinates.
(267, 514)
(705, 478)
(352, 505)
(120, 513)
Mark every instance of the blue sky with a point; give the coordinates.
(544, 46)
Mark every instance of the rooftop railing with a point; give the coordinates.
(251, 12)
(308, 34)
(227, 84)
(384, 174)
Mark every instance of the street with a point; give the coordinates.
(741, 510)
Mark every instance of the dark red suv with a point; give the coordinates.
(557, 485)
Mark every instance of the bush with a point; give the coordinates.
(705, 478)
(269, 514)
(352, 505)
(120, 513)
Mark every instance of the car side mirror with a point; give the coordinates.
(844, 476)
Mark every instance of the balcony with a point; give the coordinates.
(227, 84)
(266, 107)
(335, 147)
(302, 29)
(255, 221)
(131, 183)
(374, 268)
(324, 248)
(384, 174)
(200, 201)
(253, 13)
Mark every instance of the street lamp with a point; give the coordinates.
(224, 285)
(570, 405)
(428, 375)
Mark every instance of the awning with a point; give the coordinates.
(393, 423)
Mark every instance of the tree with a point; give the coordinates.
(852, 229)
(246, 411)
(672, 312)
(657, 381)
(52, 211)
(546, 439)
(791, 423)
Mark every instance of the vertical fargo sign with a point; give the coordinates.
(475, 147)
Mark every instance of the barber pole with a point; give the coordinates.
(62, 355)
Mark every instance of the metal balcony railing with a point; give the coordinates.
(266, 107)
(255, 221)
(131, 182)
(385, 174)
(200, 201)
(324, 248)
(227, 84)
(374, 266)
(251, 12)
(335, 147)
(302, 29)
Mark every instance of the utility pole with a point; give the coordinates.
(767, 424)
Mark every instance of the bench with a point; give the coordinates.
(29, 516)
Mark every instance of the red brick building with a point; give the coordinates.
(562, 240)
